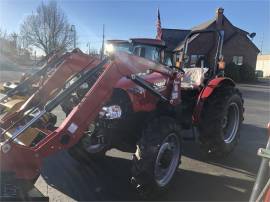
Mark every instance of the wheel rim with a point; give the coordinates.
(231, 123)
(92, 143)
(167, 160)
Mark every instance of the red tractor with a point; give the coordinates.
(129, 103)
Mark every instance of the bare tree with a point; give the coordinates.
(3, 34)
(47, 29)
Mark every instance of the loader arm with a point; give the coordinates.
(53, 62)
(71, 64)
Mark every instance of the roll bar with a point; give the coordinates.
(219, 33)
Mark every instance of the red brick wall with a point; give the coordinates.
(235, 44)
(239, 45)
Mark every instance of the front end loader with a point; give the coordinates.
(25, 142)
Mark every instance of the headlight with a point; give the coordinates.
(5, 147)
(84, 86)
(109, 48)
(111, 112)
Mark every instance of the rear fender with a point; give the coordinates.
(206, 92)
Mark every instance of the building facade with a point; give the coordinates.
(237, 47)
(263, 64)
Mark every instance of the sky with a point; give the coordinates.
(129, 18)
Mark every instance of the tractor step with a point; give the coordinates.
(18, 190)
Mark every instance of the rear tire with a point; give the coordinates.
(157, 157)
(221, 118)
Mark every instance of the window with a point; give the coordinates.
(168, 60)
(177, 57)
(149, 52)
(122, 47)
(238, 60)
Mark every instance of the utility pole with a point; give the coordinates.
(103, 37)
(262, 43)
(35, 57)
(88, 45)
(73, 30)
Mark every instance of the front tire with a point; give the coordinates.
(90, 147)
(221, 118)
(157, 157)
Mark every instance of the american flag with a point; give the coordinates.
(159, 31)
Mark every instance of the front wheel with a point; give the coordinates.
(157, 157)
(92, 146)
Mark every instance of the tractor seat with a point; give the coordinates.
(193, 77)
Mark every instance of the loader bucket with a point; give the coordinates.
(20, 166)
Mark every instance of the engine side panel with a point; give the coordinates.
(141, 99)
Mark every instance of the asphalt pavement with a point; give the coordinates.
(197, 179)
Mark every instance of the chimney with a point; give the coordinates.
(219, 17)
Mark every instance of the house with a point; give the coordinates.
(237, 48)
(263, 64)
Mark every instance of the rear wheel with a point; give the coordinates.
(157, 157)
(222, 116)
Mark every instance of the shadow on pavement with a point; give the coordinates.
(103, 180)
(194, 186)
(109, 180)
(244, 157)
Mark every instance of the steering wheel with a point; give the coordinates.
(177, 69)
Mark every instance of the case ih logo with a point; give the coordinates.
(160, 85)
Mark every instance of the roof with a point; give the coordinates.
(117, 41)
(173, 37)
(206, 25)
(241, 30)
(201, 26)
(147, 41)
